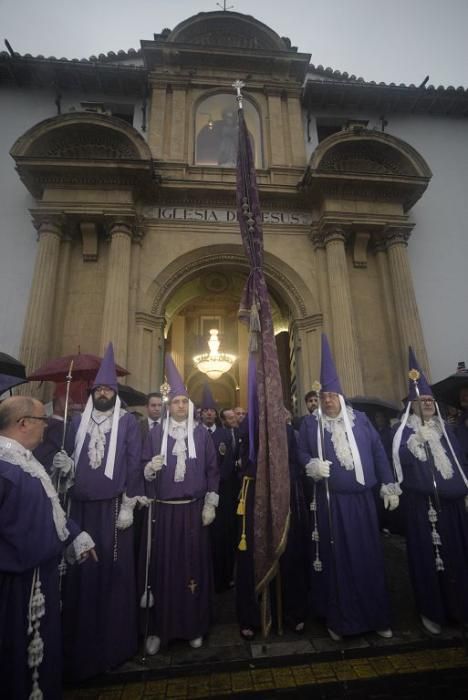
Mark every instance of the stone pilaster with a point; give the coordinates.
(407, 314)
(275, 114)
(38, 326)
(116, 300)
(149, 372)
(61, 291)
(345, 345)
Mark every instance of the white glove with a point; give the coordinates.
(125, 516)
(153, 467)
(391, 501)
(62, 462)
(208, 514)
(424, 433)
(318, 468)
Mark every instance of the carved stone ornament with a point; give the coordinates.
(84, 142)
(397, 237)
(365, 157)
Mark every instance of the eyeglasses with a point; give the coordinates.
(43, 418)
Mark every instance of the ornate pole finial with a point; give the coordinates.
(223, 6)
(238, 85)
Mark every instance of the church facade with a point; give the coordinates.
(126, 164)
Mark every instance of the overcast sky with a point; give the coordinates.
(381, 40)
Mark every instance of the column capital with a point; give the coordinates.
(120, 225)
(48, 224)
(149, 321)
(333, 232)
(396, 236)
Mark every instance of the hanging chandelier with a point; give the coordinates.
(214, 363)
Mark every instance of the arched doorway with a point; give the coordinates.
(202, 289)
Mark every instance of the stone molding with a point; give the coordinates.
(210, 260)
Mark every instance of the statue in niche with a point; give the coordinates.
(217, 141)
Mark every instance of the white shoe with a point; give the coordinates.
(196, 643)
(431, 626)
(336, 637)
(152, 645)
(386, 634)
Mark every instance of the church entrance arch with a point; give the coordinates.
(201, 290)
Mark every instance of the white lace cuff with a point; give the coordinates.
(390, 490)
(211, 499)
(82, 543)
(129, 503)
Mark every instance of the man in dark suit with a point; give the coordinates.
(154, 404)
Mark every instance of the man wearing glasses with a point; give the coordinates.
(34, 532)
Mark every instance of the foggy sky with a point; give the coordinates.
(382, 40)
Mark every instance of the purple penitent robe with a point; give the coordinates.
(180, 574)
(100, 610)
(350, 591)
(441, 595)
(28, 543)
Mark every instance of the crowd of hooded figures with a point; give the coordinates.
(121, 536)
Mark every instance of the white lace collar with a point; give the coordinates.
(441, 460)
(13, 452)
(336, 427)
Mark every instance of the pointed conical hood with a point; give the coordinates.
(328, 375)
(423, 386)
(107, 376)
(175, 381)
(207, 399)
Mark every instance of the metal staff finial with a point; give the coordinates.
(238, 85)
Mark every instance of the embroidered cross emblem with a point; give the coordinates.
(192, 586)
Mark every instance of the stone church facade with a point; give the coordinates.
(137, 239)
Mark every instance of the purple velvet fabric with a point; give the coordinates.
(272, 484)
(350, 592)
(28, 539)
(440, 596)
(181, 576)
(100, 610)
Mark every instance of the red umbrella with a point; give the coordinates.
(85, 366)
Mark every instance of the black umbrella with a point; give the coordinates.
(131, 396)
(11, 367)
(448, 389)
(372, 404)
(8, 382)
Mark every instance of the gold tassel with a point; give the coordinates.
(241, 510)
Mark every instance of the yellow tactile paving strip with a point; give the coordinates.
(281, 677)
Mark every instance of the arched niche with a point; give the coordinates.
(216, 130)
(362, 161)
(78, 148)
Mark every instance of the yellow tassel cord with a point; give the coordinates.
(241, 510)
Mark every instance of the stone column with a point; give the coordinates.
(133, 359)
(407, 314)
(116, 299)
(322, 277)
(38, 326)
(61, 293)
(379, 245)
(345, 347)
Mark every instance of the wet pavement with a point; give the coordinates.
(412, 665)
